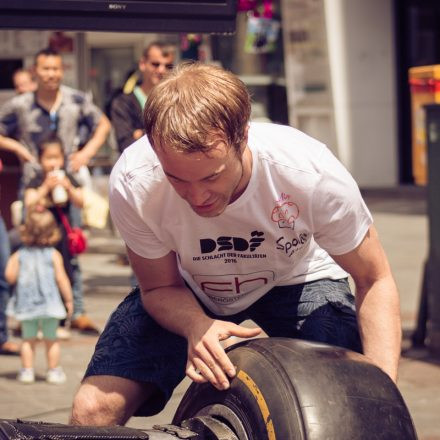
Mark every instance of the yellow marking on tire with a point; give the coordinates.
(253, 388)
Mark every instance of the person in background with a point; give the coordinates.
(82, 127)
(6, 347)
(37, 271)
(226, 220)
(23, 81)
(126, 109)
(57, 189)
(157, 59)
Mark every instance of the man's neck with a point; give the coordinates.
(246, 174)
(146, 88)
(48, 99)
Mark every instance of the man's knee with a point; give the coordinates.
(101, 401)
(86, 411)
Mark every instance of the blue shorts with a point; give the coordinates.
(135, 347)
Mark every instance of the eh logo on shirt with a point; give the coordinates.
(223, 243)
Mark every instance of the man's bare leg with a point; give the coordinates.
(108, 400)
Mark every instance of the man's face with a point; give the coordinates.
(49, 72)
(207, 181)
(155, 66)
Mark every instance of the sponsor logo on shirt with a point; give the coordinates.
(291, 245)
(223, 243)
(230, 249)
(285, 212)
(226, 289)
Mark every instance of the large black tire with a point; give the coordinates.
(288, 389)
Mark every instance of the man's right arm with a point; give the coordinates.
(174, 307)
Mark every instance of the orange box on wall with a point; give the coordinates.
(425, 89)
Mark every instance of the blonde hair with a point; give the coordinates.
(193, 103)
(40, 228)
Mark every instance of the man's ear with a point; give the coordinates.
(246, 132)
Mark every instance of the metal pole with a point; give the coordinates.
(82, 60)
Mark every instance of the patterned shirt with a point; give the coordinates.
(36, 294)
(26, 121)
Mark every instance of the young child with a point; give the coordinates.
(44, 189)
(37, 271)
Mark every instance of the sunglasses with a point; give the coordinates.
(156, 65)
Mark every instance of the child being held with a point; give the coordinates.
(60, 192)
(38, 273)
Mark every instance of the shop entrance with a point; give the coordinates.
(417, 44)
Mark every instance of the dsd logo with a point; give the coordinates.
(224, 243)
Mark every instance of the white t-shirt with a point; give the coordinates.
(300, 205)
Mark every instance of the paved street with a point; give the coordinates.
(400, 217)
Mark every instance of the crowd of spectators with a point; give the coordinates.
(55, 132)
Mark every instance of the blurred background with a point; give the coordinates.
(337, 69)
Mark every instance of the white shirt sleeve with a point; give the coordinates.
(134, 230)
(340, 216)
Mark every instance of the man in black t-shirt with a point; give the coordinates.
(126, 109)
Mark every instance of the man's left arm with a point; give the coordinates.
(83, 156)
(377, 302)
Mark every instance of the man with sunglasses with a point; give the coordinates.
(126, 109)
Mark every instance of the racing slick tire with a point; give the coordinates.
(287, 389)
